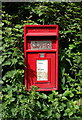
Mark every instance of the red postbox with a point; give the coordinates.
(41, 56)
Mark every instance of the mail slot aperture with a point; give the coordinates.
(39, 45)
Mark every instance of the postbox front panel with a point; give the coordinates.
(41, 57)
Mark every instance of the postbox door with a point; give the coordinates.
(41, 70)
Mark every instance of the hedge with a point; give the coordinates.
(55, 105)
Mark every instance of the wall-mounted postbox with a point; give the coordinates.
(41, 56)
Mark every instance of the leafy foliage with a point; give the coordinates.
(62, 104)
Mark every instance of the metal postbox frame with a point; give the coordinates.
(41, 31)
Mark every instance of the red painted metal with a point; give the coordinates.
(32, 56)
(41, 34)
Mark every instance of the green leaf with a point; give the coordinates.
(14, 61)
(57, 115)
(68, 60)
(39, 104)
(64, 98)
(44, 96)
(8, 62)
(71, 94)
(76, 107)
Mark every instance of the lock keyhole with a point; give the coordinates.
(41, 55)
